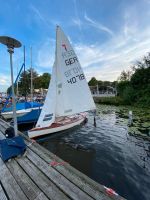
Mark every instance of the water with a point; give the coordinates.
(107, 153)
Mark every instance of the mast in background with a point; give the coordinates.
(31, 75)
(24, 55)
(17, 92)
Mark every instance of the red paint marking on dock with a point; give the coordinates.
(110, 191)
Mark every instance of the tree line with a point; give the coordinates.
(24, 83)
(103, 84)
(133, 86)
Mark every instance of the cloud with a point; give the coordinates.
(106, 61)
(98, 25)
(42, 17)
(46, 54)
(39, 16)
(77, 20)
(130, 27)
(4, 82)
(37, 12)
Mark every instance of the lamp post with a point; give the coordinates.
(12, 43)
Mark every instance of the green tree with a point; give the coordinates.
(141, 78)
(129, 95)
(93, 82)
(125, 75)
(121, 86)
(42, 81)
(134, 87)
(24, 83)
(45, 80)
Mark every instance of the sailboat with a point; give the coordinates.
(68, 97)
(27, 112)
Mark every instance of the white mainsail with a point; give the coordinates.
(47, 116)
(73, 93)
(68, 92)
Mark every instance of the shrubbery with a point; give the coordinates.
(135, 89)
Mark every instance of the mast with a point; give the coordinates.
(17, 92)
(55, 65)
(31, 75)
(97, 89)
(56, 59)
(25, 74)
(58, 77)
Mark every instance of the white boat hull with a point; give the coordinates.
(19, 113)
(36, 132)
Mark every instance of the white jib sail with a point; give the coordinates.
(47, 116)
(73, 93)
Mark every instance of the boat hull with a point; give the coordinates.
(24, 116)
(57, 127)
(19, 113)
(30, 117)
(24, 111)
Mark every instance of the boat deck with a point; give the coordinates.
(32, 177)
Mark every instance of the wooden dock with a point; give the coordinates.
(31, 177)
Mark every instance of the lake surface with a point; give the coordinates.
(107, 153)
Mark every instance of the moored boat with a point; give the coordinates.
(68, 95)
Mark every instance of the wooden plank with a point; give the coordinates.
(2, 129)
(86, 184)
(23, 180)
(26, 183)
(9, 184)
(2, 194)
(66, 187)
(1, 135)
(4, 123)
(41, 180)
(41, 196)
(76, 177)
(63, 183)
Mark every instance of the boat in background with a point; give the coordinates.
(68, 96)
(27, 112)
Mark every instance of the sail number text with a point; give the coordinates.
(70, 61)
(76, 78)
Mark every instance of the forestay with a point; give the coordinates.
(73, 93)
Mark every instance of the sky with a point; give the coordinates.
(107, 35)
